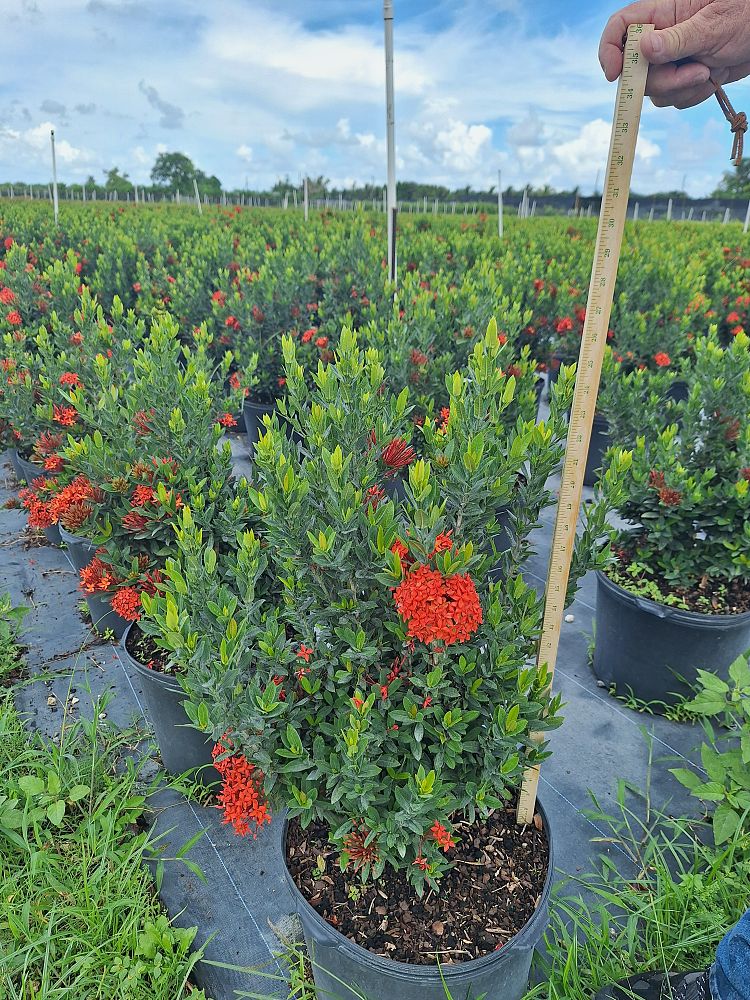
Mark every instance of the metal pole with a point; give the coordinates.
(636, 210)
(500, 204)
(747, 219)
(390, 117)
(54, 175)
(197, 196)
(669, 210)
(306, 197)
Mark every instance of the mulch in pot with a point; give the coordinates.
(484, 900)
(708, 596)
(143, 649)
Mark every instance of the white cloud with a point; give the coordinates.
(245, 153)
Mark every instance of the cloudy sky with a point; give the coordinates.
(257, 89)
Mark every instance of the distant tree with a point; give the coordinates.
(210, 186)
(116, 181)
(735, 183)
(174, 171)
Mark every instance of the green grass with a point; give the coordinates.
(669, 914)
(79, 917)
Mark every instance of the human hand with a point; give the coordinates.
(711, 36)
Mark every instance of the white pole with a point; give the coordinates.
(390, 118)
(669, 210)
(651, 214)
(500, 204)
(747, 219)
(727, 216)
(690, 215)
(294, 194)
(306, 197)
(636, 210)
(197, 196)
(703, 216)
(54, 175)
(533, 209)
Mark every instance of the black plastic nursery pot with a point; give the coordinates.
(600, 442)
(104, 618)
(80, 550)
(182, 747)
(343, 970)
(655, 651)
(25, 470)
(252, 414)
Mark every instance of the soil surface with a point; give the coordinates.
(143, 649)
(485, 899)
(707, 597)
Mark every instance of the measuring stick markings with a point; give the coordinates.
(629, 103)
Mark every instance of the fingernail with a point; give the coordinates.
(657, 44)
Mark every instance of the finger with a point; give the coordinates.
(730, 74)
(683, 99)
(610, 47)
(679, 41)
(665, 81)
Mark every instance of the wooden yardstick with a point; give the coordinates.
(631, 91)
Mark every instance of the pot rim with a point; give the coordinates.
(456, 970)
(69, 536)
(666, 611)
(158, 676)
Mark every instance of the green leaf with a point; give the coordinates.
(78, 792)
(31, 784)
(725, 824)
(56, 811)
(687, 778)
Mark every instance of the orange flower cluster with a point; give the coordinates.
(438, 608)
(241, 798)
(97, 577)
(662, 359)
(66, 416)
(74, 494)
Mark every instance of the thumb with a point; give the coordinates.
(679, 42)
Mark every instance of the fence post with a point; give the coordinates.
(669, 210)
(55, 202)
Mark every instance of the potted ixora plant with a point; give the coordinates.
(678, 597)
(385, 698)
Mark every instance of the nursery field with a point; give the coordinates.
(282, 532)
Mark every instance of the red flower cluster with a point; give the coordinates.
(442, 836)
(308, 335)
(14, 318)
(418, 357)
(670, 497)
(127, 604)
(374, 496)
(141, 421)
(564, 325)
(70, 378)
(438, 608)
(142, 495)
(134, 522)
(227, 420)
(662, 359)
(7, 296)
(397, 455)
(241, 798)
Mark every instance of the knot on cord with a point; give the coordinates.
(737, 122)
